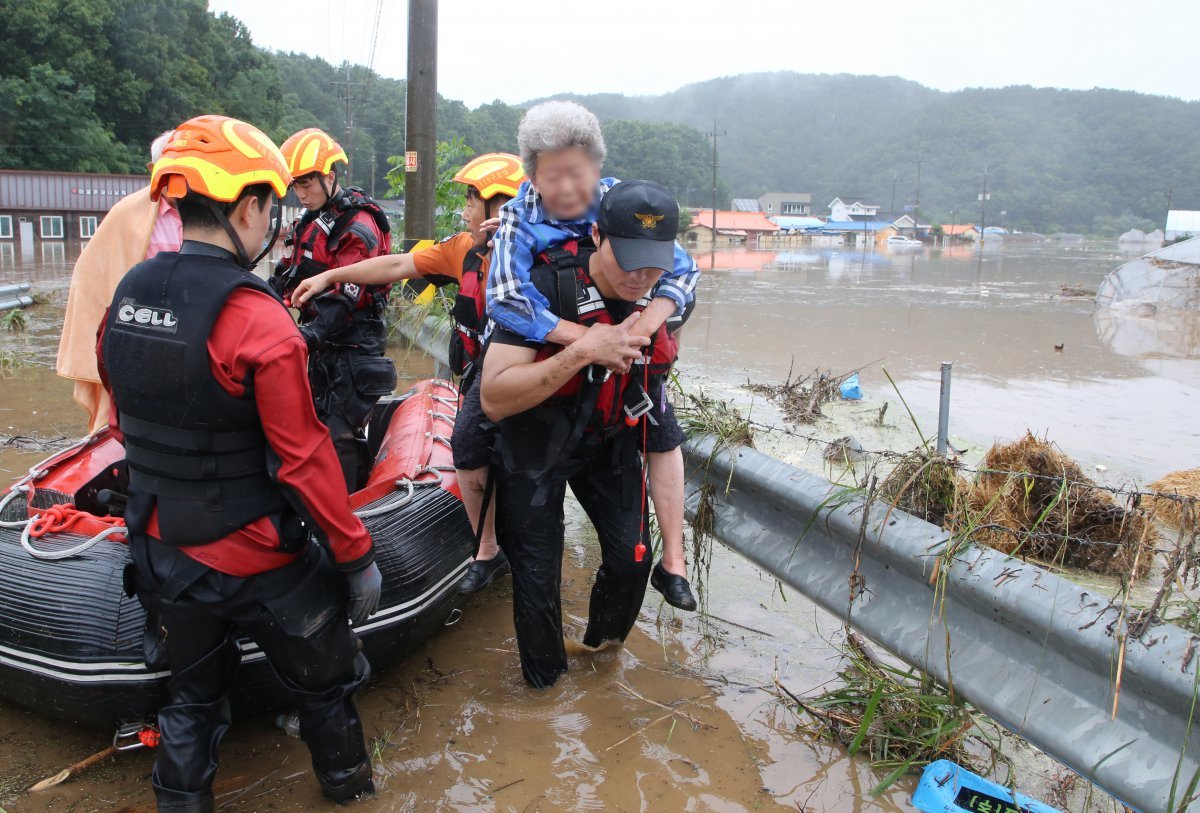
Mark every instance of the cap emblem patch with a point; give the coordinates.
(648, 221)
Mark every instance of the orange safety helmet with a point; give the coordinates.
(218, 157)
(310, 151)
(494, 173)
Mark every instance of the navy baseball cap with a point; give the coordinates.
(641, 219)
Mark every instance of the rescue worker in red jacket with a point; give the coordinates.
(491, 179)
(564, 419)
(344, 328)
(231, 473)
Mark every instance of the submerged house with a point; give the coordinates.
(785, 204)
(732, 228)
(59, 205)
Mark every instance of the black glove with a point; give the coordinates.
(366, 586)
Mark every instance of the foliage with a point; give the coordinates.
(1056, 159)
(449, 196)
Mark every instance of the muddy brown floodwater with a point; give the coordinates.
(455, 728)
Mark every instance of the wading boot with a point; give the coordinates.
(340, 787)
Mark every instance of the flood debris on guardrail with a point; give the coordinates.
(1038, 654)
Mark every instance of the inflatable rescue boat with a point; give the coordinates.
(71, 638)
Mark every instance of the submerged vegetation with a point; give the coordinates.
(899, 719)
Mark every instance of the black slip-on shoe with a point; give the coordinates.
(480, 574)
(675, 589)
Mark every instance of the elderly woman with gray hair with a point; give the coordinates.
(563, 151)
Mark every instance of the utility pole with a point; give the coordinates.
(714, 135)
(895, 177)
(953, 223)
(984, 197)
(917, 204)
(347, 91)
(372, 173)
(420, 121)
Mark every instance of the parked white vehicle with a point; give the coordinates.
(901, 241)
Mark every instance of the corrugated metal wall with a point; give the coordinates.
(65, 191)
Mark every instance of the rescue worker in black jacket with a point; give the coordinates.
(229, 472)
(344, 327)
(564, 419)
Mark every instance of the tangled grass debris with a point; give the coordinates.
(800, 400)
(1037, 502)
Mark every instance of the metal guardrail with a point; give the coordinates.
(1031, 650)
(433, 337)
(15, 295)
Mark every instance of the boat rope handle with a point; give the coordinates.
(50, 556)
(433, 413)
(8, 498)
(389, 503)
(450, 402)
(450, 385)
(439, 439)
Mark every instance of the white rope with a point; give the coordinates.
(51, 556)
(439, 439)
(447, 418)
(389, 503)
(20, 488)
(450, 402)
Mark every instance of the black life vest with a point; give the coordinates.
(314, 239)
(470, 304)
(192, 448)
(593, 405)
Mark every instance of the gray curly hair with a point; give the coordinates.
(552, 126)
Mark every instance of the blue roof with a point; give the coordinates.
(855, 225)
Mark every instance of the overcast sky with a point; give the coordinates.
(536, 48)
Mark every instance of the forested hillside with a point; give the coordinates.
(86, 84)
(1097, 160)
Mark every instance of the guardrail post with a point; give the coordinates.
(943, 439)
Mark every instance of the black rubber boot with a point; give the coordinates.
(174, 801)
(346, 786)
(480, 574)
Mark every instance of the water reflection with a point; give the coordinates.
(1120, 391)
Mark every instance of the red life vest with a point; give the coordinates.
(620, 400)
(315, 238)
(470, 303)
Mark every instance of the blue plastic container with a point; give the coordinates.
(949, 788)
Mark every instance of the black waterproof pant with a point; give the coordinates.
(346, 384)
(532, 539)
(297, 616)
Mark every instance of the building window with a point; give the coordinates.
(52, 227)
(794, 209)
(6, 227)
(87, 227)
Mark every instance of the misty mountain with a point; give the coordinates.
(1096, 160)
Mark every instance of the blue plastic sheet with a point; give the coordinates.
(850, 390)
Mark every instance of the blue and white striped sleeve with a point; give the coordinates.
(512, 300)
(680, 284)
